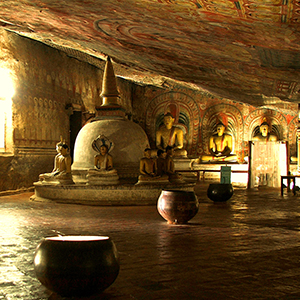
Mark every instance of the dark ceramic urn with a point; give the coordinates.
(219, 192)
(177, 207)
(76, 265)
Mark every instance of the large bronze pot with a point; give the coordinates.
(177, 207)
(219, 192)
(76, 265)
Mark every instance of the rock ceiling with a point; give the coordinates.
(246, 50)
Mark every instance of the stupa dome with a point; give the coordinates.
(129, 140)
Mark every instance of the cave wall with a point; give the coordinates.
(50, 86)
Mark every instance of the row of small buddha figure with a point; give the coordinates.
(158, 169)
(151, 169)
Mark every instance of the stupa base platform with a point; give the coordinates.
(108, 195)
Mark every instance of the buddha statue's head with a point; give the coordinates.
(103, 149)
(168, 120)
(62, 147)
(220, 129)
(264, 129)
(161, 153)
(147, 152)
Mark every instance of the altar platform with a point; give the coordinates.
(211, 172)
(125, 193)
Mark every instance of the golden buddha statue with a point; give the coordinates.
(103, 172)
(170, 135)
(62, 166)
(220, 146)
(264, 134)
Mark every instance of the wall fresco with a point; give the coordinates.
(203, 111)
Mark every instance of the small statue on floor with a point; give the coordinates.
(161, 162)
(149, 170)
(103, 172)
(174, 177)
(62, 166)
(148, 166)
(170, 135)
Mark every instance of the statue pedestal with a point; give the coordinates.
(58, 180)
(95, 177)
(155, 181)
(106, 195)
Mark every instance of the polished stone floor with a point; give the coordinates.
(247, 248)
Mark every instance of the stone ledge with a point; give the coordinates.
(122, 195)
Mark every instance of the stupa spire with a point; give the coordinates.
(109, 85)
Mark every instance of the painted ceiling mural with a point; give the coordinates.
(246, 50)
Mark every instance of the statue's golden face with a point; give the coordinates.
(220, 129)
(264, 129)
(168, 120)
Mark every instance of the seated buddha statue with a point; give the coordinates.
(103, 172)
(161, 163)
(174, 177)
(220, 147)
(147, 166)
(62, 166)
(170, 135)
(265, 134)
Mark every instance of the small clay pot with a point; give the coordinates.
(177, 207)
(76, 265)
(219, 192)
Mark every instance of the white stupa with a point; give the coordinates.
(129, 138)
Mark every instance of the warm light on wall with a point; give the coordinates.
(6, 84)
(6, 94)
